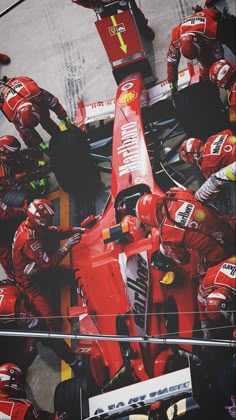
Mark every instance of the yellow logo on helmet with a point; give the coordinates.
(127, 97)
(199, 215)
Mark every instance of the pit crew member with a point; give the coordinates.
(20, 170)
(31, 262)
(13, 402)
(223, 74)
(197, 37)
(186, 225)
(213, 185)
(14, 215)
(216, 297)
(26, 105)
(218, 152)
(99, 6)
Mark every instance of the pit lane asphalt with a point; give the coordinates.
(55, 42)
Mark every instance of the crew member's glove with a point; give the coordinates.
(73, 240)
(173, 87)
(43, 147)
(67, 122)
(38, 183)
(174, 91)
(161, 262)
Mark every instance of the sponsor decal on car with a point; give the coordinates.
(130, 149)
(136, 277)
(127, 97)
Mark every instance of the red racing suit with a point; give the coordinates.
(23, 89)
(204, 24)
(30, 259)
(219, 151)
(221, 275)
(189, 225)
(20, 409)
(8, 213)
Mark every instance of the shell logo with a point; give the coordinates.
(232, 139)
(199, 215)
(127, 97)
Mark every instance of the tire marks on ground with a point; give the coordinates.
(70, 61)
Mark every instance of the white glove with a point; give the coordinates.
(74, 239)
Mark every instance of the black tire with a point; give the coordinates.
(200, 110)
(70, 397)
(74, 168)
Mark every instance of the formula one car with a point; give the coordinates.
(120, 293)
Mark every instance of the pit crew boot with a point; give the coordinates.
(4, 59)
(76, 367)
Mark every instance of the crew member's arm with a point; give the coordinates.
(216, 182)
(53, 103)
(173, 59)
(33, 249)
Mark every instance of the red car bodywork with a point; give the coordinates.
(116, 278)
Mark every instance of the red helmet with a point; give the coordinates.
(221, 72)
(11, 379)
(9, 147)
(41, 211)
(28, 114)
(190, 46)
(148, 209)
(218, 304)
(191, 150)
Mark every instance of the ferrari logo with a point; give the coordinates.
(119, 28)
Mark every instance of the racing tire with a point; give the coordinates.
(200, 110)
(74, 168)
(70, 397)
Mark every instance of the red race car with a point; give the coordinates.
(120, 293)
